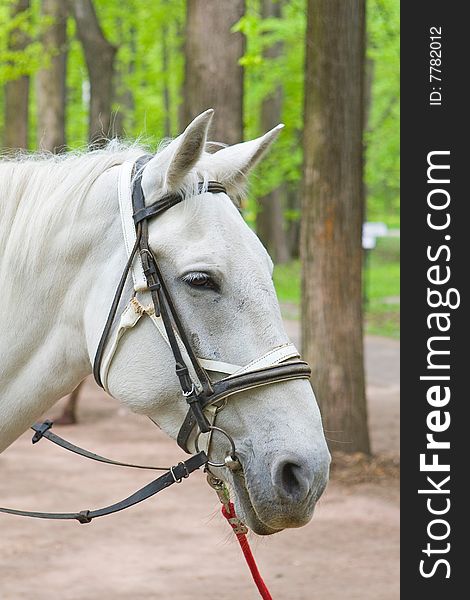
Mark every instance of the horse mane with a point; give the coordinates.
(39, 190)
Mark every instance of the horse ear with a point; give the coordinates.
(168, 168)
(231, 165)
(190, 147)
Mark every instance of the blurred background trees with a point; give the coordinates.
(50, 80)
(213, 76)
(17, 85)
(157, 62)
(80, 71)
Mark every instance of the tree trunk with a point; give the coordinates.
(51, 81)
(99, 57)
(213, 77)
(332, 216)
(270, 217)
(17, 91)
(123, 115)
(293, 224)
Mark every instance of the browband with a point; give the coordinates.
(163, 204)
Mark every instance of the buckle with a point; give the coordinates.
(83, 517)
(150, 270)
(185, 476)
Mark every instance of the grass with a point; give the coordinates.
(381, 285)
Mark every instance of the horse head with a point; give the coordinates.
(219, 277)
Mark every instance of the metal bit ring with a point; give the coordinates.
(232, 444)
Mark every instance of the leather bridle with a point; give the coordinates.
(199, 390)
(203, 395)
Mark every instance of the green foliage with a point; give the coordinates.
(382, 135)
(143, 31)
(287, 282)
(140, 31)
(263, 77)
(381, 288)
(27, 25)
(382, 284)
(77, 92)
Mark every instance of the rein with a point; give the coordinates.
(173, 475)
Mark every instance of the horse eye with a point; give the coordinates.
(200, 280)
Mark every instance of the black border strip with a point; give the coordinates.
(426, 128)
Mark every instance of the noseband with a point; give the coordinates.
(202, 394)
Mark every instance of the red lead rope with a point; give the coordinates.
(240, 531)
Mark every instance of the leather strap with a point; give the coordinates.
(274, 357)
(43, 430)
(146, 212)
(112, 313)
(163, 306)
(241, 383)
(129, 318)
(146, 275)
(127, 222)
(174, 475)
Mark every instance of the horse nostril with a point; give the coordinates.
(292, 479)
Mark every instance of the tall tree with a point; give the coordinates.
(51, 80)
(213, 77)
(293, 223)
(123, 96)
(17, 90)
(332, 216)
(270, 217)
(99, 57)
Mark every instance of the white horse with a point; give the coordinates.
(61, 256)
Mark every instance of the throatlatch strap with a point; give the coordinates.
(127, 222)
(112, 313)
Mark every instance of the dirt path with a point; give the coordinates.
(176, 545)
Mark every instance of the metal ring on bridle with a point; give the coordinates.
(185, 476)
(143, 251)
(232, 444)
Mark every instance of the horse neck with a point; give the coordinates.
(43, 341)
